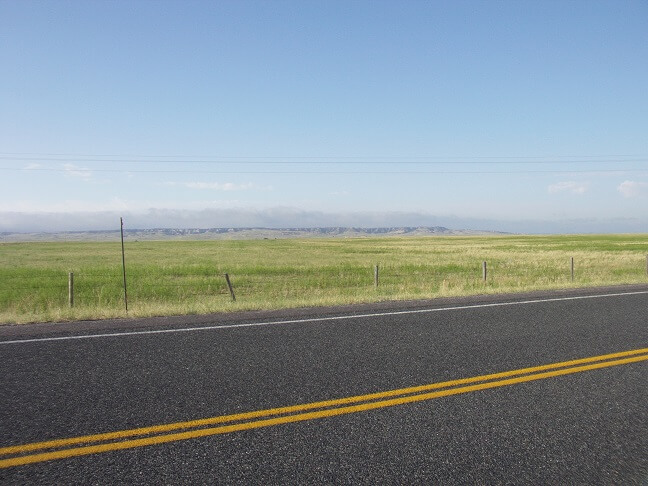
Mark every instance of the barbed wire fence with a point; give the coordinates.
(104, 289)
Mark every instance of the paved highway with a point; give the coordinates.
(527, 389)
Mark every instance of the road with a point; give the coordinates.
(194, 380)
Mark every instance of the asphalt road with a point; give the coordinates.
(589, 426)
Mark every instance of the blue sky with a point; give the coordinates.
(502, 115)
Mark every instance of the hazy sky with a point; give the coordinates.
(528, 116)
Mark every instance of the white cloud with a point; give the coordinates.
(569, 186)
(117, 204)
(105, 217)
(71, 216)
(633, 189)
(76, 171)
(69, 206)
(219, 186)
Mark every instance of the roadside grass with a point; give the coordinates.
(186, 277)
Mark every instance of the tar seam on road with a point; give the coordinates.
(317, 319)
(146, 436)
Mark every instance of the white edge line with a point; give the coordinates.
(319, 319)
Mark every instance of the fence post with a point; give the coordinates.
(646, 264)
(484, 271)
(572, 269)
(71, 289)
(229, 286)
(375, 275)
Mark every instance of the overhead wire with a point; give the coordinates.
(560, 163)
(338, 172)
(304, 160)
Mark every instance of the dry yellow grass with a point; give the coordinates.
(186, 277)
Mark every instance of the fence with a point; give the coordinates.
(145, 284)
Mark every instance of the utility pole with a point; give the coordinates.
(121, 220)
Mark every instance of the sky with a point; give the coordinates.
(520, 116)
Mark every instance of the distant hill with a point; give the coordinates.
(240, 233)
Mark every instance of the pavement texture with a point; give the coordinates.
(585, 428)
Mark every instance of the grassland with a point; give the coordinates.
(186, 277)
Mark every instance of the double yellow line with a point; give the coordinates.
(160, 434)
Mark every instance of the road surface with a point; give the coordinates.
(538, 388)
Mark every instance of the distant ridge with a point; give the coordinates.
(242, 233)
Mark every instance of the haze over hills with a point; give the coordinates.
(240, 233)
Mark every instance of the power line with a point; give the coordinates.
(336, 162)
(220, 159)
(329, 156)
(349, 172)
(339, 162)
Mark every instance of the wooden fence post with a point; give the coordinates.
(375, 275)
(229, 286)
(572, 269)
(71, 289)
(484, 271)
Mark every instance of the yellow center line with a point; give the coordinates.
(538, 373)
(302, 407)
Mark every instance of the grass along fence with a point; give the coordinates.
(185, 277)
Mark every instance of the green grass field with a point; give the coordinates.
(186, 277)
